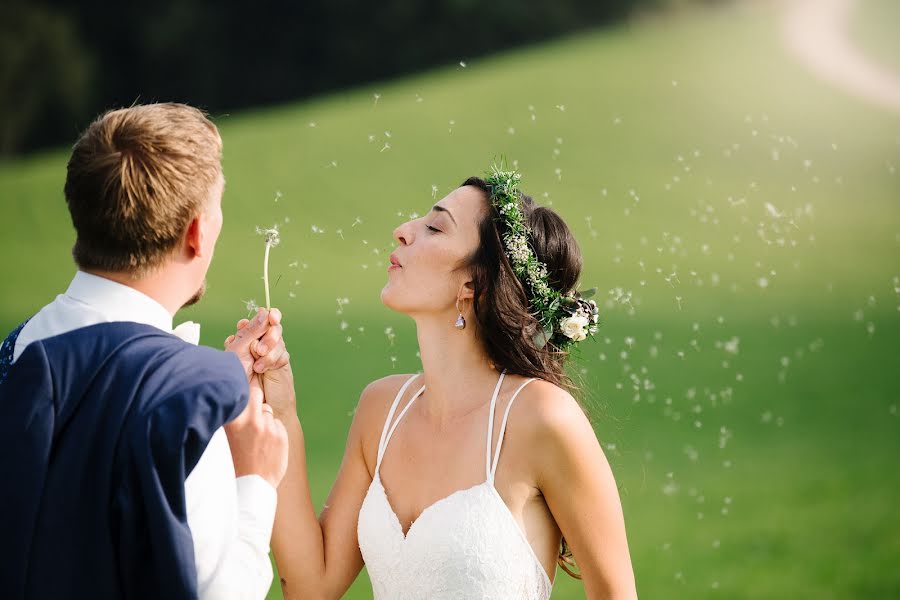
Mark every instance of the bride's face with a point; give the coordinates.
(430, 254)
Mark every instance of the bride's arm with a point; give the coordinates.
(578, 486)
(319, 558)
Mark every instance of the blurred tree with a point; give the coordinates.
(226, 55)
(45, 76)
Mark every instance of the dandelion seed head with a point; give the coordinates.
(271, 235)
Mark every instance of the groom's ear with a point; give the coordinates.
(193, 239)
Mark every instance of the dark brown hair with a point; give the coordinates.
(136, 178)
(501, 304)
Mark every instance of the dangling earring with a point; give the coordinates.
(460, 320)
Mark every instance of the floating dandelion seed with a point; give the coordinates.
(331, 164)
(377, 97)
(558, 172)
(340, 232)
(462, 63)
(312, 123)
(389, 332)
(561, 107)
(371, 137)
(356, 222)
(772, 211)
(277, 196)
(251, 306)
(434, 190)
(272, 240)
(386, 146)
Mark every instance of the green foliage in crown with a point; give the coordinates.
(564, 318)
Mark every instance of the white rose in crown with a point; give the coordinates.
(573, 327)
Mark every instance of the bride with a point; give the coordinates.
(478, 476)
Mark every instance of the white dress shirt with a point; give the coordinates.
(230, 518)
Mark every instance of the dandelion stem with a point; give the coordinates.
(272, 239)
(266, 275)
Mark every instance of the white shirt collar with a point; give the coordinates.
(117, 301)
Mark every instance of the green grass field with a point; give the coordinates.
(740, 219)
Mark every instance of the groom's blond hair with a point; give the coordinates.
(136, 178)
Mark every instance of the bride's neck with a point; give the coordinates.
(458, 375)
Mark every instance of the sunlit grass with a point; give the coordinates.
(739, 217)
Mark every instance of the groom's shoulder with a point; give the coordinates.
(143, 346)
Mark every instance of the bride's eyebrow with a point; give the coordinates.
(439, 208)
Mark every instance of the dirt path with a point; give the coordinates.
(816, 33)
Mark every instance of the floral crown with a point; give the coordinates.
(565, 318)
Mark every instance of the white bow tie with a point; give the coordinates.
(188, 331)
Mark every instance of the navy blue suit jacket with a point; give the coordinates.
(99, 428)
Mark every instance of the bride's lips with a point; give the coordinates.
(394, 263)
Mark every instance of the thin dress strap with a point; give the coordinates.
(387, 432)
(490, 431)
(493, 468)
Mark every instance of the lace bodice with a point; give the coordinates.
(464, 546)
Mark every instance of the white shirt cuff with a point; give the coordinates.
(257, 500)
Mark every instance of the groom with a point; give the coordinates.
(118, 477)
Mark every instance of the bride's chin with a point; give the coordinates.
(388, 299)
(386, 295)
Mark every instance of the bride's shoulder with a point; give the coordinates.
(379, 394)
(376, 399)
(372, 409)
(551, 426)
(543, 409)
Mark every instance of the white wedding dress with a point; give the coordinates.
(464, 546)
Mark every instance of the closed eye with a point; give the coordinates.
(433, 229)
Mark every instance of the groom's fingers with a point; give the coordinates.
(254, 405)
(242, 323)
(254, 329)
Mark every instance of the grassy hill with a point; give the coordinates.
(740, 218)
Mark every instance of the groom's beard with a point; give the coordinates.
(197, 295)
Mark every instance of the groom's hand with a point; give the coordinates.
(258, 343)
(258, 441)
(277, 376)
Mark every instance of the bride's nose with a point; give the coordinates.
(401, 234)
